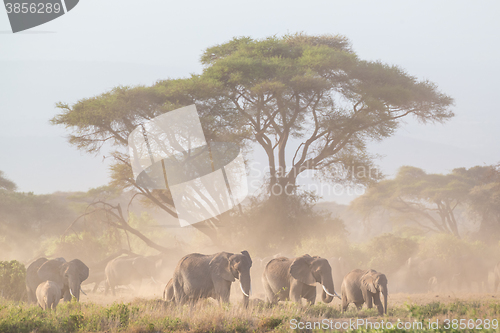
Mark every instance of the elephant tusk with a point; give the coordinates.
(83, 292)
(152, 278)
(332, 295)
(244, 293)
(71, 292)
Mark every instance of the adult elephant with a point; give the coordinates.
(123, 271)
(361, 286)
(199, 276)
(68, 276)
(285, 279)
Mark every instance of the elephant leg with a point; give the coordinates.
(296, 291)
(378, 303)
(345, 303)
(367, 297)
(271, 296)
(222, 290)
(179, 296)
(309, 293)
(31, 295)
(96, 285)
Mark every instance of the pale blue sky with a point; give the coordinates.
(102, 44)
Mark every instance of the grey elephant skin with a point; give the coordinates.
(123, 271)
(294, 279)
(68, 275)
(365, 286)
(168, 292)
(198, 276)
(48, 294)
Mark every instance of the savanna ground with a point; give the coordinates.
(124, 313)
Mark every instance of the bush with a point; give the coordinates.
(389, 252)
(12, 280)
(444, 246)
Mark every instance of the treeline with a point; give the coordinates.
(438, 203)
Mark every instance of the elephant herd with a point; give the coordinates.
(198, 276)
(47, 281)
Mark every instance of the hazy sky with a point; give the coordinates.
(102, 44)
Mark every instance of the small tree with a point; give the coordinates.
(12, 280)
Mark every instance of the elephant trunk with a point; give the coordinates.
(384, 292)
(74, 289)
(328, 290)
(245, 286)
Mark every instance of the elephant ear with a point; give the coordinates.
(83, 270)
(247, 255)
(301, 270)
(51, 271)
(368, 281)
(220, 266)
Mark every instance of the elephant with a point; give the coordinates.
(198, 276)
(32, 279)
(48, 294)
(128, 270)
(97, 274)
(68, 275)
(285, 279)
(360, 286)
(168, 292)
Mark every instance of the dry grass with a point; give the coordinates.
(154, 315)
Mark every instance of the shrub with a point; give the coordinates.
(12, 280)
(389, 252)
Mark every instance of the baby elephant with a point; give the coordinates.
(48, 294)
(360, 286)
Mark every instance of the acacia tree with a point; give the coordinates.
(484, 197)
(308, 101)
(430, 200)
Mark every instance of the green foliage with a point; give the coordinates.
(427, 311)
(12, 280)
(444, 246)
(156, 316)
(26, 218)
(6, 184)
(269, 323)
(389, 252)
(325, 246)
